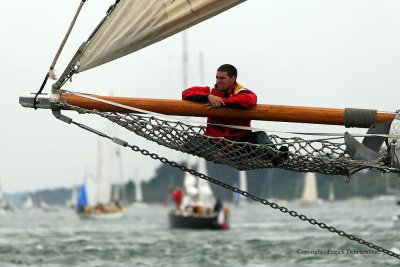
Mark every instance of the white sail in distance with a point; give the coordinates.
(102, 180)
(310, 191)
(138, 188)
(242, 183)
(135, 24)
(206, 195)
(331, 195)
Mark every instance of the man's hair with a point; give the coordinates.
(229, 69)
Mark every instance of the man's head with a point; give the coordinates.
(226, 77)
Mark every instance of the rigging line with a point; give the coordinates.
(51, 72)
(253, 197)
(335, 135)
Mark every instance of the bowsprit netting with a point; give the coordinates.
(326, 155)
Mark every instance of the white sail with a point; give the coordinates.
(190, 185)
(73, 199)
(28, 203)
(206, 195)
(91, 191)
(310, 191)
(331, 196)
(138, 191)
(102, 181)
(242, 183)
(135, 24)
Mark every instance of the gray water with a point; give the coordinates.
(259, 236)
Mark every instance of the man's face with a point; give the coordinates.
(224, 82)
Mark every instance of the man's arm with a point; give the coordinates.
(244, 99)
(196, 93)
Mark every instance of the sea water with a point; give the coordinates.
(259, 236)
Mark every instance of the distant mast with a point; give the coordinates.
(185, 60)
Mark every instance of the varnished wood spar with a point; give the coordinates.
(331, 116)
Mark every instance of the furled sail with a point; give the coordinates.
(135, 24)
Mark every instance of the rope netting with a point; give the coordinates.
(323, 155)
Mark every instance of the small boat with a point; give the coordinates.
(178, 219)
(199, 209)
(107, 213)
(95, 199)
(89, 208)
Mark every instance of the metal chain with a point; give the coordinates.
(243, 193)
(264, 201)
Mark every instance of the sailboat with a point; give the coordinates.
(71, 202)
(28, 203)
(331, 194)
(41, 204)
(4, 206)
(95, 199)
(138, 200)
(127, 27)
(138, 193)
(199, 209)
(310, 190)
(238, 199)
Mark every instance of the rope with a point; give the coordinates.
(51, 73)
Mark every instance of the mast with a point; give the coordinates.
(184, 60)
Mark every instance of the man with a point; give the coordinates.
(227, 92)
(177, 194)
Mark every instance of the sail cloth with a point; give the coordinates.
(135, 24)
(103, 184)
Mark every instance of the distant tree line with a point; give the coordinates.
(265, 183)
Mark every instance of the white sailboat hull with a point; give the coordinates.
(103, 216)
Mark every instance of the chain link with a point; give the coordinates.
(264, 201)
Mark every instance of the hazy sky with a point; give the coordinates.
(323, 53)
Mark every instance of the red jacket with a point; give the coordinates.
(178, 197)
(235, 97)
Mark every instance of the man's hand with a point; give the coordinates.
(215, 101)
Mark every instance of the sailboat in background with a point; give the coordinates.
(95, 197)
(119, 189)
(71, 202)
(310, 190)
(4, 205)
(138, 191)
(238, 199)
(42, 204)
(28, 203)
(331, 195)
(199, 209)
